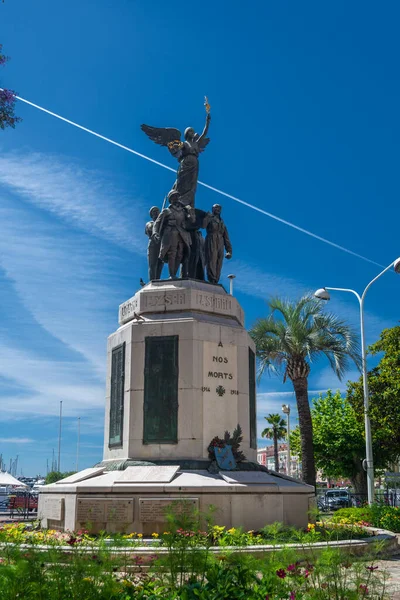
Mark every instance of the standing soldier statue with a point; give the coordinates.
(153, 247)
(217, 239)
(170, 230)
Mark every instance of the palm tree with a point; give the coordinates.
(276, 432)
(290, 339)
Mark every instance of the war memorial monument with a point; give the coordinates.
(180, 414)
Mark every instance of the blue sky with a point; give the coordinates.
(305, 124)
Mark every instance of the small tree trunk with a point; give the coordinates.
(359, 480)
(306, 431)
(276, 455)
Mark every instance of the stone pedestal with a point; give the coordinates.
(210, 378)
(181, 370)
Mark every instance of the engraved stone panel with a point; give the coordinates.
(220, 371)
(150, 474)
(90, 509)
(119, 510)
(102, 510)
(127, 309)
(82, 475)
(52, 508)
(152, 510)
(248, 477)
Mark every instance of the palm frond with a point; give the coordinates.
(303, 330)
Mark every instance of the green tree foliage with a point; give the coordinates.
(54, 476)
(7, 100)
(290, 339)
(339, 433)
(384, 391)
(276, 432)
(339, 441)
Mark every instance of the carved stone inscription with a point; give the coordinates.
(104, 510)
(119, 511)
(127, 310)
(220, 370)
(217, 303)
(152, 510)
(164, 299)
(185, 298)
(90, 510)
(51, 508)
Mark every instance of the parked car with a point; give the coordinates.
(334, 499)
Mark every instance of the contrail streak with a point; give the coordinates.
(210, 187)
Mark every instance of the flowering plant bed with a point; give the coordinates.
(186, 573)
(218, 536)
(192, 559)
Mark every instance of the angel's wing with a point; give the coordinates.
(162, 135)
(202, 142)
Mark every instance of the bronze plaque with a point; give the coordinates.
(117, 396)
(161, 372)
(252, 399)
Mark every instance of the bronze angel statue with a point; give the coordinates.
(187, 152)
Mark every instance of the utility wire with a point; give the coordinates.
(210, 187)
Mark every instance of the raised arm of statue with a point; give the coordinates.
(206, 126)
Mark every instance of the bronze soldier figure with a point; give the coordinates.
(217, 239)
(153, 247)
(170, 229)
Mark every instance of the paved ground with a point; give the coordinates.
(392, 566)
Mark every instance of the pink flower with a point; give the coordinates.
(291, 568)
(363, 588)
(281, 573)
(72, 540)
(292, 596)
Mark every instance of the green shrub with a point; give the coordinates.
(377, 515)
(353, 515)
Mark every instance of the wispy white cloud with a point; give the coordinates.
(263, 284)
(65, 279)
(327, 380)
(44, 383)
(16, 440)
(259, 283)
(84, 198)
(59, 274)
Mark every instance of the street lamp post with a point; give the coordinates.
(78, 444)
(231, 278)
(286, 410)
(323, 294)
(59, 438)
